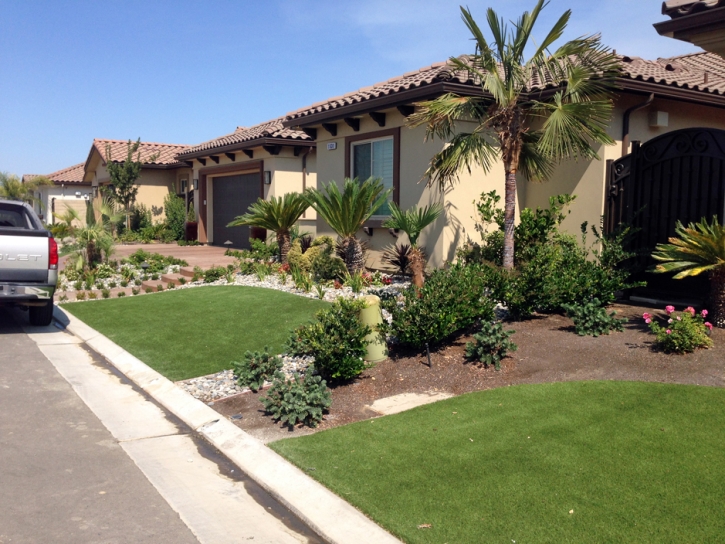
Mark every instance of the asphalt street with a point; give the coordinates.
(85, 457)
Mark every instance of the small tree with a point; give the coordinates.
(175, 215)
(12, 188)
(123, 176)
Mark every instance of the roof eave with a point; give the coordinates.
(249, 144)
(675, 93)
(683, 27)
(424, 92)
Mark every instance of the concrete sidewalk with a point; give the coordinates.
(324, 512)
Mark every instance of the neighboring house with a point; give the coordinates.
(161, 173)
(233, 171)
(701, 22)
(364, 133)
(69, 190)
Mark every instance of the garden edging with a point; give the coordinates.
(324, 512)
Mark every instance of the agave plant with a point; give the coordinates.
(278, 214)
(697, 248)
(412, 222)
(347, 211)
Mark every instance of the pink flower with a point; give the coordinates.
(648, 321)
(679, 318)
(691, 310)
(669, 331)
(669, 321)
(708, 325)
(703, 313)
(646, 315)
(669, 309)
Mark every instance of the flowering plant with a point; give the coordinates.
(681, 333)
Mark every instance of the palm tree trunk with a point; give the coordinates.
(717, 296)
(284, 243)
(509, 220)
(417, 265)
(354, 258)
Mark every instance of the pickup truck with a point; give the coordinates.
(28, 262)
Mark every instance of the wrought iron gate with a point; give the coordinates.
(677, 176)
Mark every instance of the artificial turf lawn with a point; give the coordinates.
(636, 462)
(193, 332)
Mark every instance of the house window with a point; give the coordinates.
(374, 158)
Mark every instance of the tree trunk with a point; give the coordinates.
(417, 265)
(284, 243)
(354, 258)
(509, 220)
(717, 296)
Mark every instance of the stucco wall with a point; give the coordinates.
(60, 193)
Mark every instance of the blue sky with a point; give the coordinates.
(188, 71)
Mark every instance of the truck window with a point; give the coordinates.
(14, 216)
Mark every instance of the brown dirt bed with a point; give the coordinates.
(549, 351)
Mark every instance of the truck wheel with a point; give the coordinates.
(41, 316)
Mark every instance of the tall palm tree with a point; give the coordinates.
(697, 248)
(276, 214)
(412, 222)
(569, 120)
(347, 211)
(13, 188)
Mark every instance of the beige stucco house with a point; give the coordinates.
(701, 22)
(231, 172)
(161, 173)
(69, 190)
(364, 133)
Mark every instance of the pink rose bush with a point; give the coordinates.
(682, 333)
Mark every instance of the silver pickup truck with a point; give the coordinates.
(28, 262)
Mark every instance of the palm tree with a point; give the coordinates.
(12, 188)
(412, 222)
(96, 237)
(571, 118)
(276, 214)
(697, 248)
(347, 211)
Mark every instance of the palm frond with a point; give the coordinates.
(347, 211)
(464, 151)
(414, 220)
(441, 114)
(278, 214)
(533, 164)
(697, 248)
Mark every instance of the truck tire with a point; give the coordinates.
(41, 316)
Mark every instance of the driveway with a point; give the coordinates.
(87, 457)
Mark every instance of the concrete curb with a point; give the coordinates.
(324, 512)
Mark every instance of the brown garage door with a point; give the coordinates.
(232, 196)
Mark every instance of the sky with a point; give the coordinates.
(187, 71)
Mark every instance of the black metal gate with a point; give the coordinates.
(677, 176)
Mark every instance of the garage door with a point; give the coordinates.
(232, 196)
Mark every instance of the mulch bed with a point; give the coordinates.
(548, 351)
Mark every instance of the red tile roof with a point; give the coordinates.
(72, 174)
(242, 135)
(681, 8)
(687, 72)
(165, 154)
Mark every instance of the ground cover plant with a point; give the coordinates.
(682, 332)
(591, 319)
(297, 399)
(490, 345)
(194, 332)
(561, 462)
(255, 368)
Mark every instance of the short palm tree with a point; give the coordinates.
(570, 120)
(697, 248)
(12, 188)
(346, 213)
(96, 236)
(278, 214)
(412, 222)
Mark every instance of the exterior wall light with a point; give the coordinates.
(267, 177)
(196, 184)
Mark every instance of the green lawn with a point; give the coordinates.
(636, 462)
(192, 332)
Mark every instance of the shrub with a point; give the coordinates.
(120, 294)
(256, 368)
(63, 298)
(175, 216)
(182, 280)
(213, 274)
(156, 261)
(449, 302)
(261, 250)
(171, 285)
(124, 283)
(105, 293)
(92, 295)
(398, 256)
(301, 279)
(298, 400)
(81, 295)
(154, 277)
(261, 270)
(137, 282)
(78, 285)
(112, 284)
(355, 281)
(160, 287)
(336, 339)
(135, 291)
(592, 319)
(104, 271)
(490, 345)
(682, 333)
(149, 289)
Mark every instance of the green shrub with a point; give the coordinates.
(490, 345)
(256, 368)
(355, 281)
(104, 271)
(137, 282)
(214, 273)
(175, 209)
(120, 294)
(78, 285)
(63, 298)
(261, 270)
(112, 284)
(92, 295)
(105, 293)
(682, 333)
(171, 285)
(301, 279)
(182, 280)
(81, 295)
(449, 302)
(149, 289)
(298, 400)
(160, 287)
(124, 283)
(261, 250)
(157, 262)
(592, 319)
(135, 291)
(336, 339)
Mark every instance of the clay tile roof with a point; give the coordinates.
(434, 73)
(685, 71)
(681, 8)
(268, 129)
(72, 174)
(165, 153)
